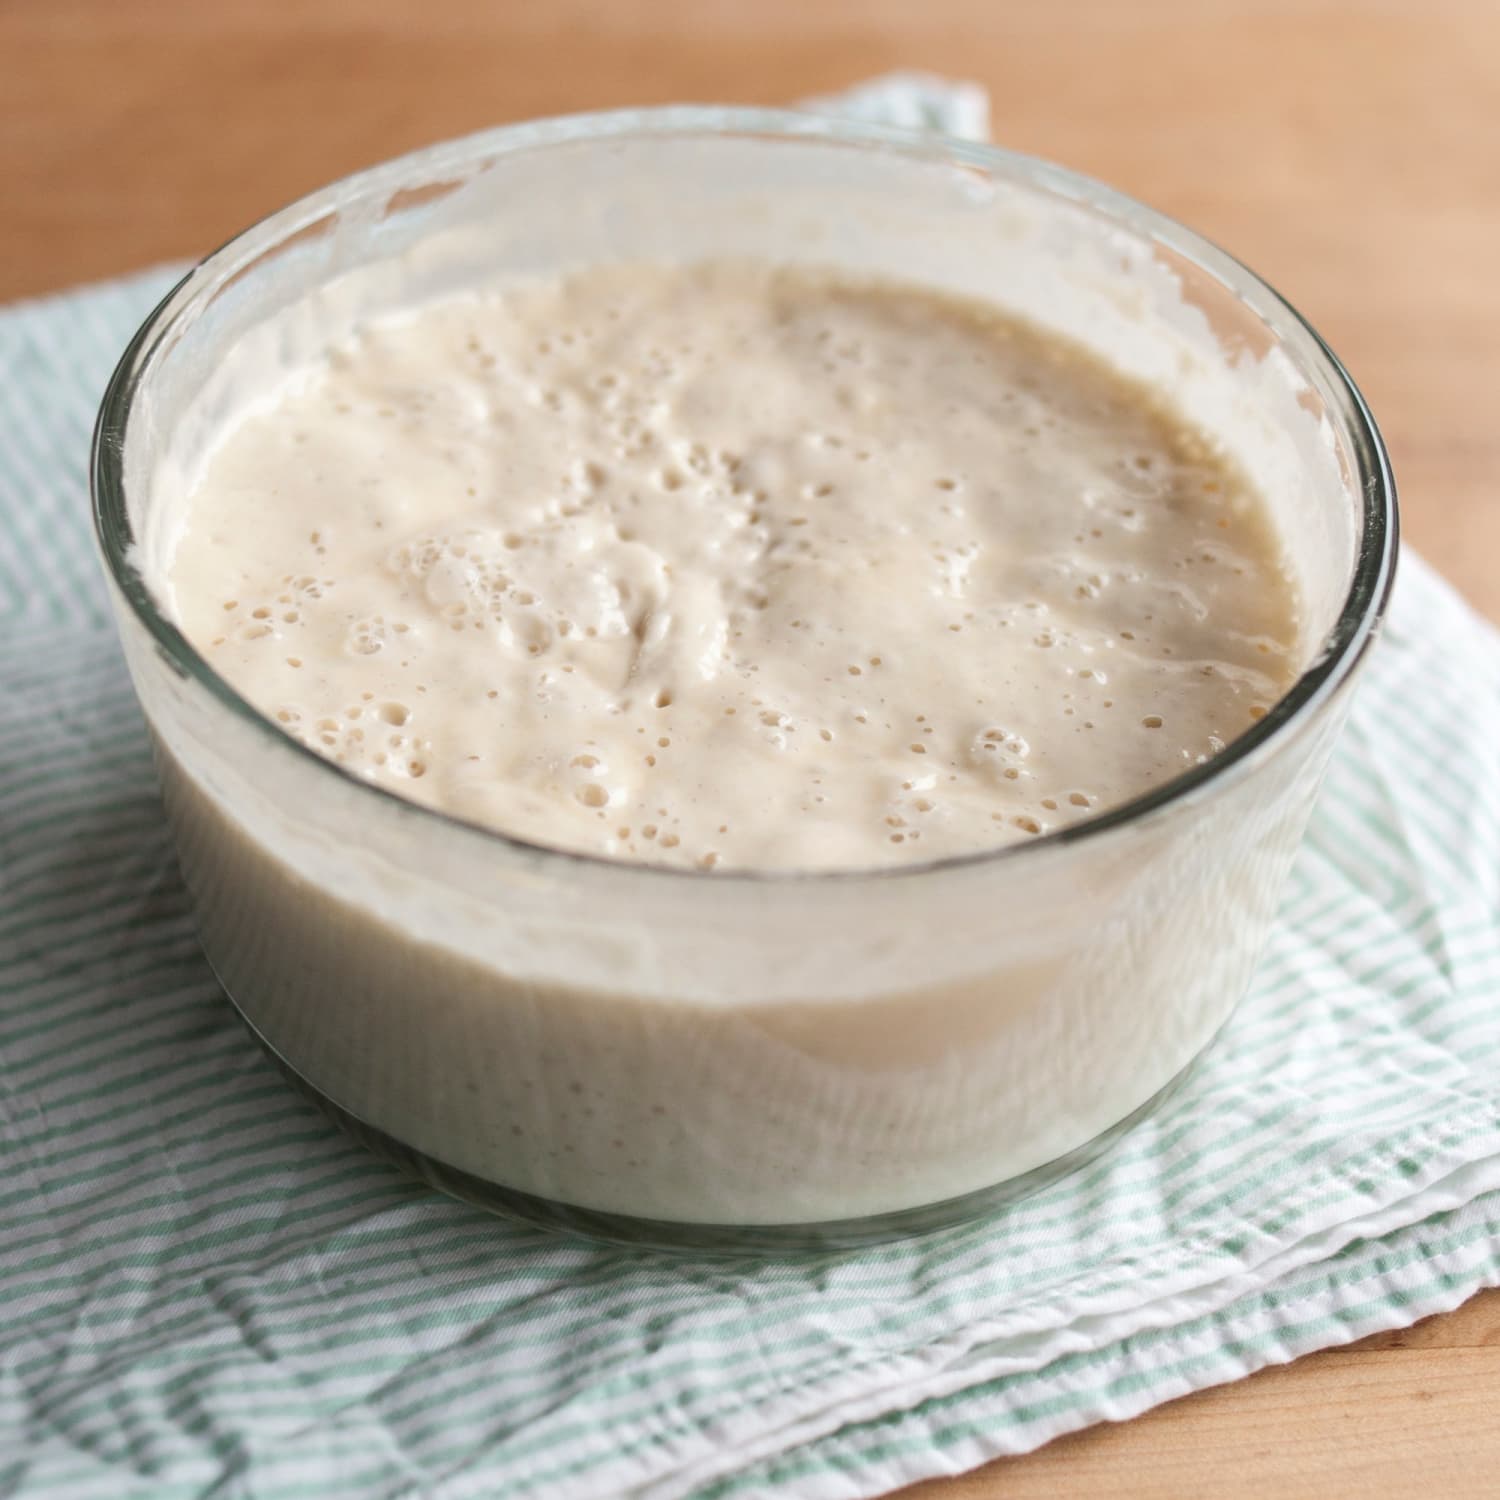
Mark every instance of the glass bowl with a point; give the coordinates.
(737, 1060)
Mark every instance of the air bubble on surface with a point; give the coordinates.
(366, 637)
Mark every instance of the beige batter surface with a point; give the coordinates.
(736, 566)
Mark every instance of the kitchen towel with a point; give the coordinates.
(206, 1289)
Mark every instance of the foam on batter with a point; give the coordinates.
(736, 565)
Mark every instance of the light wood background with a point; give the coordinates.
(1349, 151)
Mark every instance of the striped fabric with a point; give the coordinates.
(205, 1289)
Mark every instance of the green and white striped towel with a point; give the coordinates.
(204, 1288)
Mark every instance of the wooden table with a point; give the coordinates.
(1349, 152)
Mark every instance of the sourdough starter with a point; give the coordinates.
(736, 567)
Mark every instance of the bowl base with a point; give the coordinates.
(698, 1238)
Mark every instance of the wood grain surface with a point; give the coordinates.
(1349, 152)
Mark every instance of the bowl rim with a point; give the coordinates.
(1336, 659)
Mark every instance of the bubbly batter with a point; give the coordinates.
(736, 565)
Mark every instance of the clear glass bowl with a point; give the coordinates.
(738, 1060)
